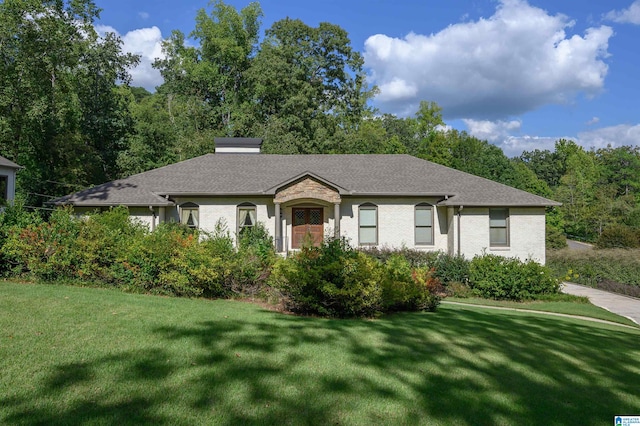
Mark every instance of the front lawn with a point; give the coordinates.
(71, 355)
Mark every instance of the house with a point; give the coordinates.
(373, 200)
(8, 171)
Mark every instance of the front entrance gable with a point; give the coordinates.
(307, 187)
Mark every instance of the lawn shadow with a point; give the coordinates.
(454, 366)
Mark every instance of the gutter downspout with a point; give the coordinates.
(459, 216)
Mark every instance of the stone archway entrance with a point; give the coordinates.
(305, 199)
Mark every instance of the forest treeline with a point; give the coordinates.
(70, 117)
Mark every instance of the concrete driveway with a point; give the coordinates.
(577, 245)
(616, 303)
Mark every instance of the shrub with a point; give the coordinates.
(501, 278)
(47, 249)
(172, 261)
(249, 269)
(458, 289)
(416, 258)
(408, 289)
(447, 268)
(330, 280)
(554, 238)
(619, 236)
(451, 268)
(13, 217)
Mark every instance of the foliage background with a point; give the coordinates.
(69, 116)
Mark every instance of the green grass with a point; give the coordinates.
(571, 306)
(72, 355)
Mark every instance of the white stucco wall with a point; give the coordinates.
(396, 222)
(212, 210)
(526, 233)
(10, 173)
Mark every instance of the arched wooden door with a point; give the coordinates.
(307, 221)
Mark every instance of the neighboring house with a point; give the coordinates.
(373, 200)
(8, 171)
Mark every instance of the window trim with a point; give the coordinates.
(190, 207)
(247, 207)
(506, 226)
(423, 206)
(367, 206)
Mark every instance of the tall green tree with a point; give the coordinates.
(61, 114)
(577, 191)
(308, 82)
(153, 141)
(205, 85)
(621, 168)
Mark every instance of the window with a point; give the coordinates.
(246, 216)
(424, 224)
(3, 189)
(499, 227)
(368, 224)
(189, 215)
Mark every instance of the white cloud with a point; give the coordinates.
(492, 131)
(513, 146)
(620, 135)
(143, 15)
(146, 42)
(500, 134)
(627, 16)
(513, 62)
(594, 120)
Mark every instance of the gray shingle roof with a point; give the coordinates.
(7, 163)
(258, 174)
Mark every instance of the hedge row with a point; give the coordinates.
(331, 280)
(110, 249)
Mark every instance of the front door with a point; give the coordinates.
(307, 221)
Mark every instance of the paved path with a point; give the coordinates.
(532, 311)
(622, 305)
(577, 245)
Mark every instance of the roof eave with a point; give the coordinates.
(215, 194)
(110, 204)
(454, 203)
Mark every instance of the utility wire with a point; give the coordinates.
(41, 195)
(71, 185)
(39, 208)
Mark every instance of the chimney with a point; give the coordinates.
(238, 145)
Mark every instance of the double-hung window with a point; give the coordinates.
(424, 224)
(190, 215)
(499, 227)
(368, 224)
(246, 216)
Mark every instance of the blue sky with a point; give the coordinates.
(518, 73)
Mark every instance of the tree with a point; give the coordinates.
(324, 92)
(577, 193)
(153, 142)
(621, 168)
(61, 114)
(207, 83)
(545, 164)
(428, 118)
